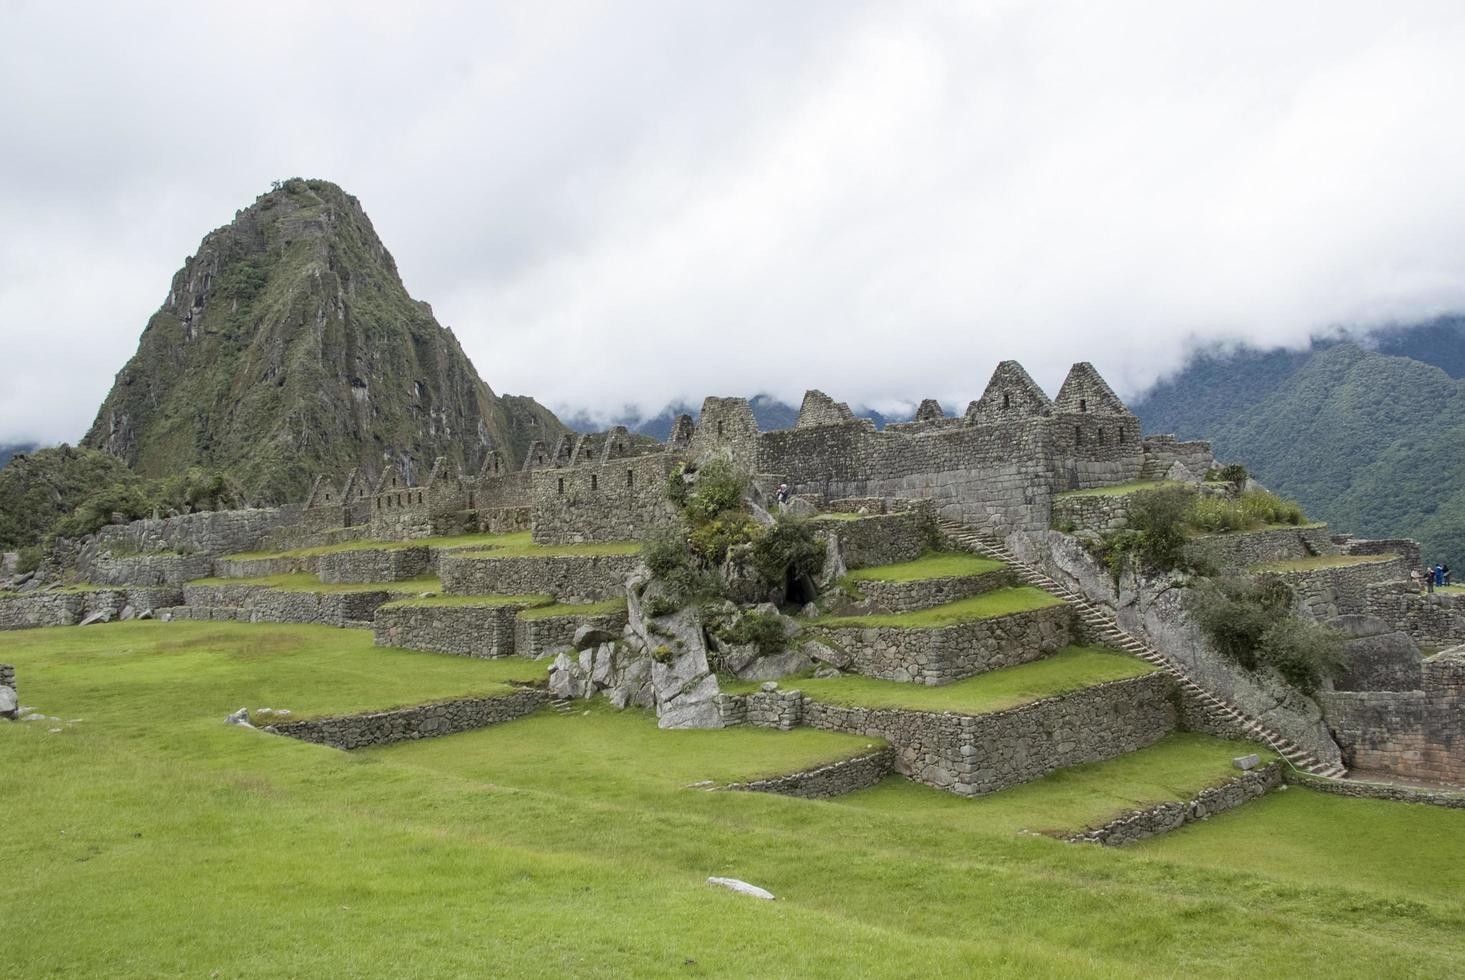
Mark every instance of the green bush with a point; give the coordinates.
(1252, 623)
(711, 541)
(1252, 510)
(718, 487)
(1216, 515)
(1262, 508)
(760, 629)
(786, 551)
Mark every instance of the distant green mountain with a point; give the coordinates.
(288, 347)
(9, 450)
(1373, 444)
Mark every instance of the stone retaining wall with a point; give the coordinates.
(883, 539)
(422, 721)
(266, 605)
(942, 654)
(263, 567)
(545, 636)
(779, 709)
(216, 532)
(1378, 791)
(40, 609)
(1327, 592)
(570, 578)
(472, 631)
(972, 755)
(1162, 817)
(827, 781)
(374, 565)
(1435, 619)
(103, 568)
(1089, 512)
(1240, 550)
(1405, 548)
(898, 597)
(1409, 734)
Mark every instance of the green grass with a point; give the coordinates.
(558, 550)
(527, 601)
(999, 602)
(1068, 670)
(484, 541)
(841, 516)
(1315, 562)
(150, 839)
(940, 564)
(1449, 588)
(1120, 489)
(574, 609)
(1176, 768)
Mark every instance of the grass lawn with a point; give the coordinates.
(1121, 489)
(151, 839)
(841, 515)
(1315, 562)
(516, 540)
(998, 602)
(1068, 670)
(306, 582)
(474, 600)
(939, 564)
(1176, 768)
(574, 609)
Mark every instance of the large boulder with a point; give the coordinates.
(9, 702)
(778, 665)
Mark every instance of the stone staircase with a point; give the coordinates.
(1108, 631)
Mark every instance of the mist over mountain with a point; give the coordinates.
(1369, 436)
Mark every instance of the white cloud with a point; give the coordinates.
(618, 204)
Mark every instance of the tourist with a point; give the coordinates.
(783, 495)
(1439, 575)
(1428, 578)
(1445, 575)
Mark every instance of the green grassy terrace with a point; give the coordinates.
(940, 564)
(1121, 489)
(841, 515)
(551, 610)
(988, 605)
(1066, 671)
(1316, 562)
(305, 582)
(479, 601)
(151, 839)
(516, 540)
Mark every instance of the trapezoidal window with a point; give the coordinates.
(1078, 435)
(1083, 404)
(1120, 433)
(594, 483)
(1006, 400)
(630, 478)
(562, 486)
(1101, 435)
(719, 430)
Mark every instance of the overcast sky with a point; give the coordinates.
(633, 203)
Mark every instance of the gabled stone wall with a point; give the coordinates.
(622, 498)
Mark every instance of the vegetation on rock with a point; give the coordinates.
(1252, 622)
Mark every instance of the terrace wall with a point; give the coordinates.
(883, 539)
(1343, 591)
(1409, 734)
(374, 565)
(544, 636)
(826, 781)
(972, 755)
(1435, 620)
(266, 605)
(406, 724)
(471, 631)
(940, 655)
(1241, 550)
(1163, 817)
(40, 609)
(898, 597)
(571, 578)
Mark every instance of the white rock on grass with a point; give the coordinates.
(240, 717)
(742, 888)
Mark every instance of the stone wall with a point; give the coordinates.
(368, 565)
(1363, 790)
(1435, 620)
(779, 709)
(1409, 734)
(571, 578)
(104, 568)
(619, 499)
(827, 781)
(9, 700)
(1163, 817)
(491, 520)
(40, 609)
(1240, 550)
(1089, 512)
(215, 532)
(972, 755)
(544, 636)
(1344, 591)
(1405, 548)
(898, 597)
(1163, 452)
(422, 721)
(940, 655)
(472, 631)
(264, 567)
(266, 605)
(882, 539)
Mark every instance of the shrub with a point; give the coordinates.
(1251, 622)
(1262, 507)
(1216, 515)
(711, 541)
(718, 487)
(760, 629)
(786, 551)
(1158, 516)
(1230, 473)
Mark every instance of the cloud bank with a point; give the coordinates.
(622, 205)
